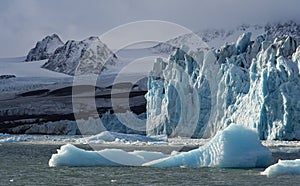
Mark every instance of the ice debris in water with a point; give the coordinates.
(236, 146)
(283, 167)
(108, 136)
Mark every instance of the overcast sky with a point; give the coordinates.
(23, 22)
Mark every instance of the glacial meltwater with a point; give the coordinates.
(26, 163)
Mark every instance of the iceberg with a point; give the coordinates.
(235, 146)
(283, 167)
(69, 155)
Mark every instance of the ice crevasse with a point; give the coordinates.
(236, 146)
(252, 82)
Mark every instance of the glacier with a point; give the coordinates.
(251, 82)
(236, 146)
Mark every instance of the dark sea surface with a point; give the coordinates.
(27, 164)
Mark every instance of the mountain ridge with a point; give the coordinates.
(44, 48)
(81, 57)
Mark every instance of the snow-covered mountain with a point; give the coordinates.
(45, 48)
(91, 53)
(215, 38)
(89, 56)
(255, 83)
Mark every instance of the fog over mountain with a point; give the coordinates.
(23, 23)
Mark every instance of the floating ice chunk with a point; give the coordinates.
(69, 155)
(2, 135)
(235, 147)
(107, 136)
(4, 138)
(10, 139)
(283, 167)
(101, 137)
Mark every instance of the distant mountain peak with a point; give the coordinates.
(92, 38)
(44, 48)
(84, 57)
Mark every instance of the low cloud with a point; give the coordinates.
(23, 23)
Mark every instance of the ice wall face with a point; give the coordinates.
(255, 83)
(272, 103)
(169, 112)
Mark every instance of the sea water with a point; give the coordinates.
(27, 164)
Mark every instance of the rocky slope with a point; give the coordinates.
(45, 48)
(48, 107)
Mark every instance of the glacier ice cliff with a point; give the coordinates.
(251, 82)
(107, 122)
